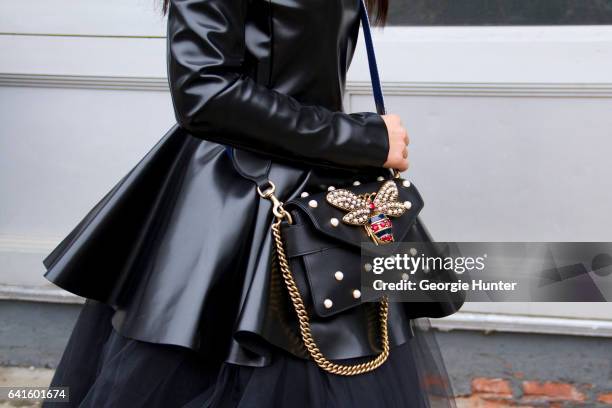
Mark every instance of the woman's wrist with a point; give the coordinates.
(398, 140)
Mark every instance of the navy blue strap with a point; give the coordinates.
(367, 35)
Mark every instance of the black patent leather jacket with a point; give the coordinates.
(181, 246)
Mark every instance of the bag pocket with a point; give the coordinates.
(327, 273)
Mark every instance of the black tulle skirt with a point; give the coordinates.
(102, 369)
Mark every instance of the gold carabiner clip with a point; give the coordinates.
(277, 205)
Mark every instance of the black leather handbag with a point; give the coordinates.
(318, 242)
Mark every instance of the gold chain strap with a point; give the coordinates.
(300, 309)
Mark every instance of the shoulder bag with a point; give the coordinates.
(324, 231)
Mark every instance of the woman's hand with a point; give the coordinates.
(398, 143)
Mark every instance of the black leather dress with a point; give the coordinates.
(181, 246)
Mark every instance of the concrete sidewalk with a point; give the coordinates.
(23, 377)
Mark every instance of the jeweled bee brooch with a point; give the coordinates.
(370, 210)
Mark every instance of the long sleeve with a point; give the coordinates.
(215, 100)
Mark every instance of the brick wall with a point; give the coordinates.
(523, 370)
(522, 392)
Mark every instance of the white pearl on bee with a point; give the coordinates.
(356, 293)
(339, 275)
(304, 194)
(313, 203)
(328, 303)
(334, 222)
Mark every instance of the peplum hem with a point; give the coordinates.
(181, 249)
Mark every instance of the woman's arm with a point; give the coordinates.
(213, 98)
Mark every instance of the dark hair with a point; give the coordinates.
(377, 10)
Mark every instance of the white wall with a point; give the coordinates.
(510, 129)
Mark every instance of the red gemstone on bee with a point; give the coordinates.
(372, 206)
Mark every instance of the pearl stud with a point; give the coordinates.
(407, 204)
(380, 178)
(367, 267)
(339, 275)
(356, 293)
(304, 194)
(328, 303)
(331, 188)
(334, 222)
(356, 183)
(406, 183)
(313, 203)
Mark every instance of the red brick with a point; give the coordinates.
(496, 386)
(606, 398)
(475, 401)
(432, 381)
(551, 391)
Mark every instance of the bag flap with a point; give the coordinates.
(328, 219)
(330, 252)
